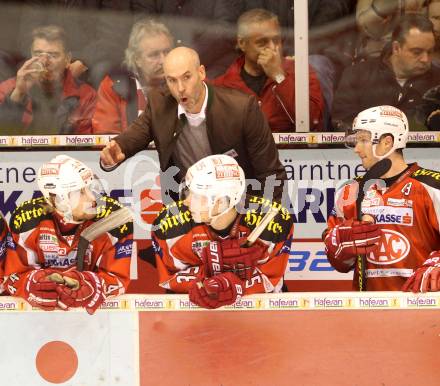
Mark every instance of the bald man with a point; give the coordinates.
(195, 120)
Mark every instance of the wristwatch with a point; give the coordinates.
(279, 78)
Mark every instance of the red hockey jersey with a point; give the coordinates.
(408, 212)
(40, 244)
(178, 242)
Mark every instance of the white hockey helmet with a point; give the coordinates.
(380, 120)
(217, 178)
(61, 176)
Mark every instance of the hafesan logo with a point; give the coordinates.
(393, 247)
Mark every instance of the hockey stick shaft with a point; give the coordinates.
(106, 224)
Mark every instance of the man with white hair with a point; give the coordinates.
(122, 95)
(396, 224)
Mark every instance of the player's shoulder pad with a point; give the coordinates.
(173, 220)
(427, 176)
(278, 229)
(28, 215)
(107, 205)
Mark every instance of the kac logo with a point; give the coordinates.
(393, 247)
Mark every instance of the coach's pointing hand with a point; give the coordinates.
(111, 154)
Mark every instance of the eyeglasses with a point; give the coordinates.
(49, 55)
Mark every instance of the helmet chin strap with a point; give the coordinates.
(381, 157)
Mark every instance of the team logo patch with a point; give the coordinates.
(123, 249)
(393, 247)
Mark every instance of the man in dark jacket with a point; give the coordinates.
(196, 121)
(400, 77)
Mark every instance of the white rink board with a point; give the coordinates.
(106, 357)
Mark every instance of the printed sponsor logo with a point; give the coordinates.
(399, 202)
(227, 172)
(425, 172)
(244, 304)
(80, 140)
(391, 215)
(378, 303)
(115, 304)
(23, 216)
(319, 302)
(286, 303)
(53, 260)
(422, 302)
(150, 304)
(198, 246)
(393, 247)
(9, 306)
(123, 249)
(35, 141)
(389, 272)
(187, 305)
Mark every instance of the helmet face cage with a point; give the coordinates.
(381, 120)
(62, 180)
(214, 183)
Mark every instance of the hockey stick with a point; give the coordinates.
(376, 171)
(112, 221)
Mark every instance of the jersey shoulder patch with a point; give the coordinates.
(278, 228)
(427, 176)
(107, 205)
(172, 221)
(28, 215)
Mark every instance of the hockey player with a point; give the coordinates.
(399, 232)
(46, 230)
(199, 240)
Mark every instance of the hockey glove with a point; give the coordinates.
(425, 278)
(228, 256)
(40, 291)
(218, 291)
(348, 240)
(80, 289)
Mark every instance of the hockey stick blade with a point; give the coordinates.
(258, 230)
(106, 224)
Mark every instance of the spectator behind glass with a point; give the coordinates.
(400, 77)
(263, 72)
(44, 98)
(376, 19)
(122, 95)
(206, 26)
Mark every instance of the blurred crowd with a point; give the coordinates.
(88, 66)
